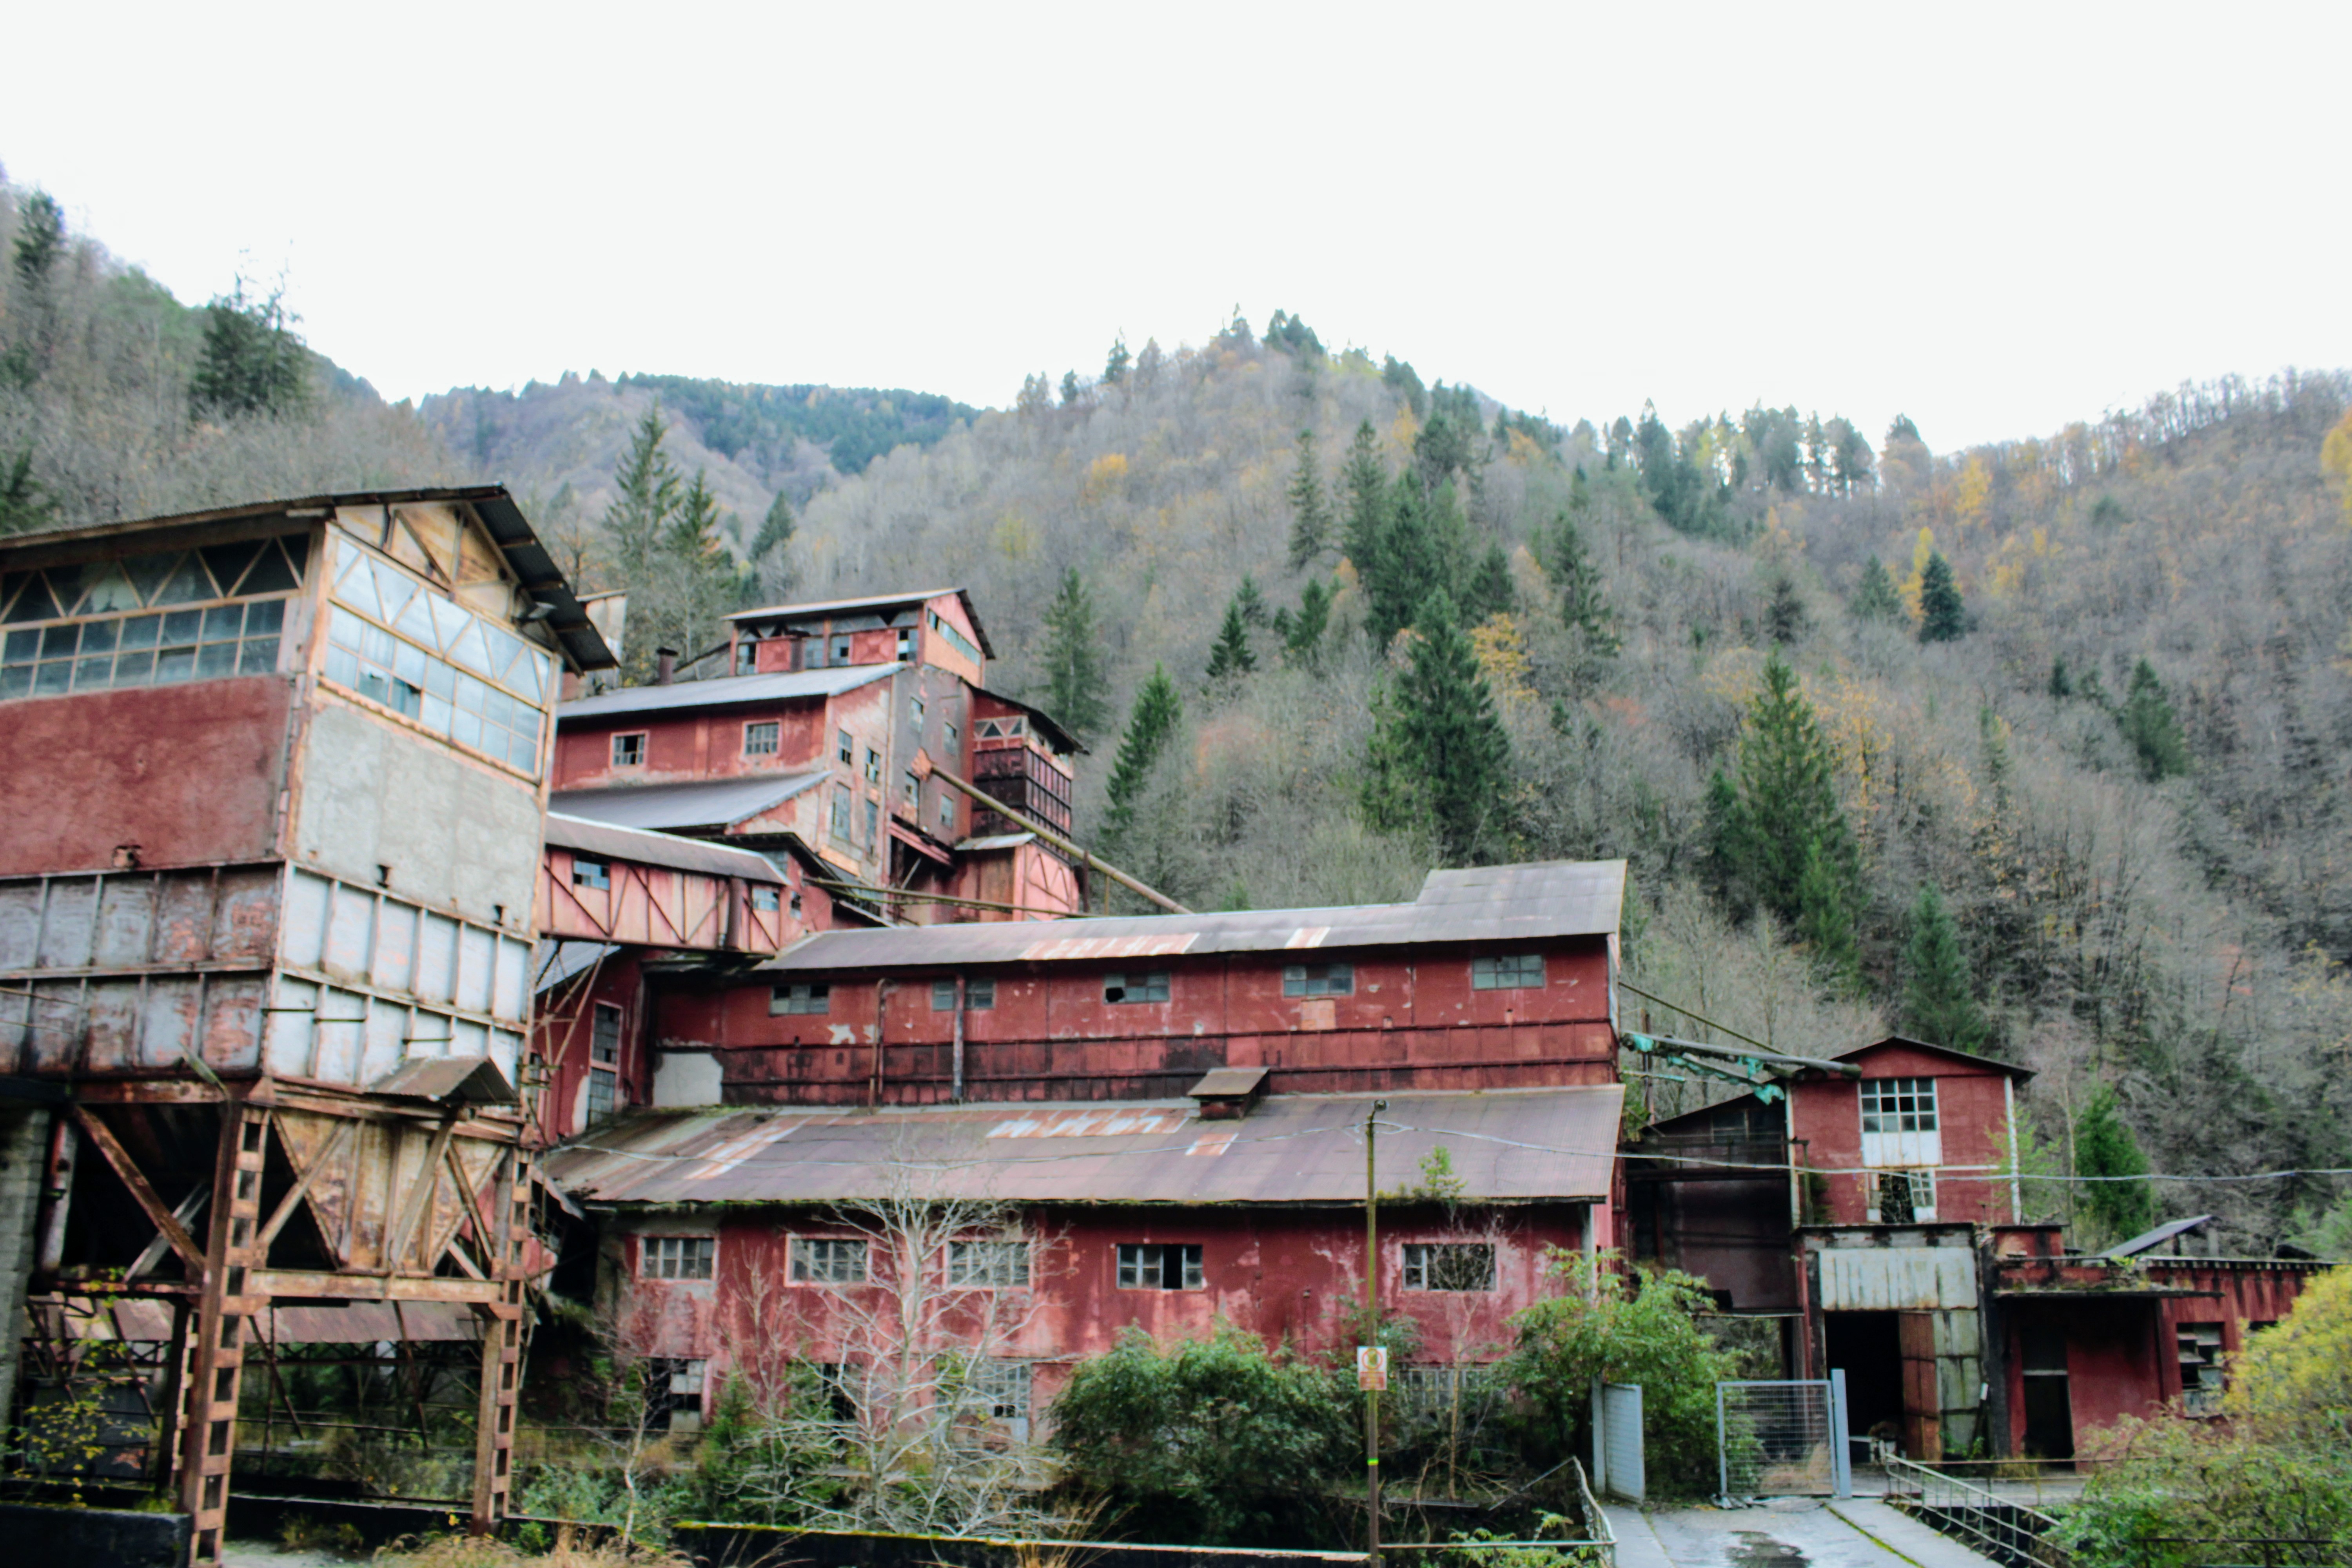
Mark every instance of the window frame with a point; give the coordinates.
(800, 999)
(1133, 1259)
(1487, 972)
(768, 730)
(603, 1098)
(1432, 1266)
(674, 1257)
(969, 1269)
(845, 748)
(765, 898)
(1157, 985)
(643, 738)
(823, 1261)
(1335, 980)
(588, 871)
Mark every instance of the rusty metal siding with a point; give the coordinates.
(1897, 1279)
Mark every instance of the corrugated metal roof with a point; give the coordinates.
(994, 841)
(650, 848)
(2012, 1068)
(475, 1080)
(2148, 1240)
(715, 804)
(725, 691)
(1500, 903)
(554, 962)
(870, 602)
(1507, 1146)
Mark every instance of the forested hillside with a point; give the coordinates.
(2040, 749)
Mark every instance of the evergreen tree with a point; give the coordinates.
(1784, 617)
(1939, 1002)
(776, 528)
(1490, 592)
(1825, 919)
(2147, 722)
(1115, 368)
(2116, 1210)
(1310, 508)
(1072, 658)
(1303, 637)
(251, 362)
(1785, 809)
(1071, 390)
(1401, 378)
(1581, 604)
(1942, 618)
(1875, 599)
(1366, 484)
(40, 238)
(2062, 685)
(1252, 602)
(1159, 710)
(645, 496)
(1231, 658)
(25, 504)
(1441, 758)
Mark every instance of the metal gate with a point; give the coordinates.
(1617, 1467)
(1783, 1439)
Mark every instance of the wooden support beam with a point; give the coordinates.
(190, 1207)
(100, 1133)
(285, 1210)
(923, 764)
(295, 1284)
(420, 1195)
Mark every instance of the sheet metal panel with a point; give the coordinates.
(732, 689)
(720, 802)
(1897, 1279)
(647, 847)
(1507, 1146)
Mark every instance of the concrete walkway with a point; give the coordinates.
(1787, 1533)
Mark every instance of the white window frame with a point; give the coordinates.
(678, 1258)
(620, 740)
(1921, 1183)
(1432, 1265)
(826, 1260)
(1509, 971)
(989, 1263)
(1900, 1124)
(763, 738)
(1143, 1265)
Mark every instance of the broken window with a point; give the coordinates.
(674, 1393)
(2201, 1377)
(872, 766)
(1899, 1122)
(915, 713)
(841, 812)
(800, 998)
(948, 738)
(946, 629)
(998, 1263)
(912, 788)
(845, 748)
(1426, 1391)
(85, 628)
(1156, 1265)
(1902, 1197)
(905, 642)
(1132, 987)
(841, 650)
(820, 1260)
(1508, 972)
(1449, 1266)
(873, 823)
(979, 996)
(747, 657)
(587, 873)
(680, 1257)
(603, 1063)
(629, 751)
(763, 739)
(764, 898)
(947, 809)
(394, 641)
(1318, 980)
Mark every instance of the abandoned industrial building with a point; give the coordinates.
(366, 963)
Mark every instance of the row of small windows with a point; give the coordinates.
(1511, 972)
(589, 873)
(990, 1264)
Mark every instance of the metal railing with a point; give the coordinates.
(1999, 1528)
(1598, 1549)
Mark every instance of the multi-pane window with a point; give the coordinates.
(841, 650)
(680, 1257)
(872, 766)
(1134, 987)
(674, 1389)
(845, 748)
(1002, 1388)
(394, 641)
(977, 993)
(818, 1260)
(1156, 1266)
(915, 713)
(911, 787)
(873, 823)
(1004, 1264)
(947, 629)
(1898, 1123)
(1902, 1197)
(944, 995)
(587, 873)
(841, 812)
(1508, 972)
(801, 997)
(764, 898)
(629, 750)
(763, 739)
(1424, 1391)
(947, 809)
(604, 1062)
(948, 738)
(1449, 1266)
(148, 620)
(905, 642)
(2202, 1380)
(1318, 980)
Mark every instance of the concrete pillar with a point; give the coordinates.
(23, 1154)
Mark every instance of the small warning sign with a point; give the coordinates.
(1372, 1367)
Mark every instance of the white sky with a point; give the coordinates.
(1994, 217)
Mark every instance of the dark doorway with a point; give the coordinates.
(1866, 1346)
(2049, 1407)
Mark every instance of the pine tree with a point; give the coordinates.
(1231, 658)
(1785, 806)
(1825, 920)
(1875, 599)
(1115, 368)
(1582, 604)
(1490, 592)
(1071, 390)
(644, 495)
(2105, 1147)
(1310, 508)
(251, 361)
(1302, 640)
(40, 238)
(776, 528)
(1784, 617)
(2062, 685)
(1252, 602)
(1072, 658)
(1159, 710)
(1939, 1002)
(1942, 618)
(1366, 483)
(2148, 723)
(1441, 757)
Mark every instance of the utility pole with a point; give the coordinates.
(1375, 1370)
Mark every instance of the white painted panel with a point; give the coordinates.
(350, 933)
(686, 1079)
(436, 959)
(289, 1039)
(469, 1038)
(511, 991)
(388, 1025)
(1902, 1149)
(395, 945)
(1897, 1279)
(303, 938)
(506, 1050)
(170, 1026)
(477, 954)
(342, 1034)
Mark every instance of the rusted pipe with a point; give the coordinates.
(665, 666)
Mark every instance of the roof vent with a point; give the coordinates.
(1228, 1093)
(472, 1080)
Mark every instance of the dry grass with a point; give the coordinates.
(475, 1551)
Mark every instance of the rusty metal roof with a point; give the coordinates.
(725, 691)
(871, 602)
(475, 1080)
(1505, 1146)
(650, 848)
(715, 805)
(1227, 1083)
(1498, 903)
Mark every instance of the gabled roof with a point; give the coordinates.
(872, 603)
(1061, 739)
(2012, 1068)
(797, 686)
(1504, 1145)
(713, 806)
(534, 568)
(1495, 903)
(665, 850)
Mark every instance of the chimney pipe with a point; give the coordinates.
(665, 666)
